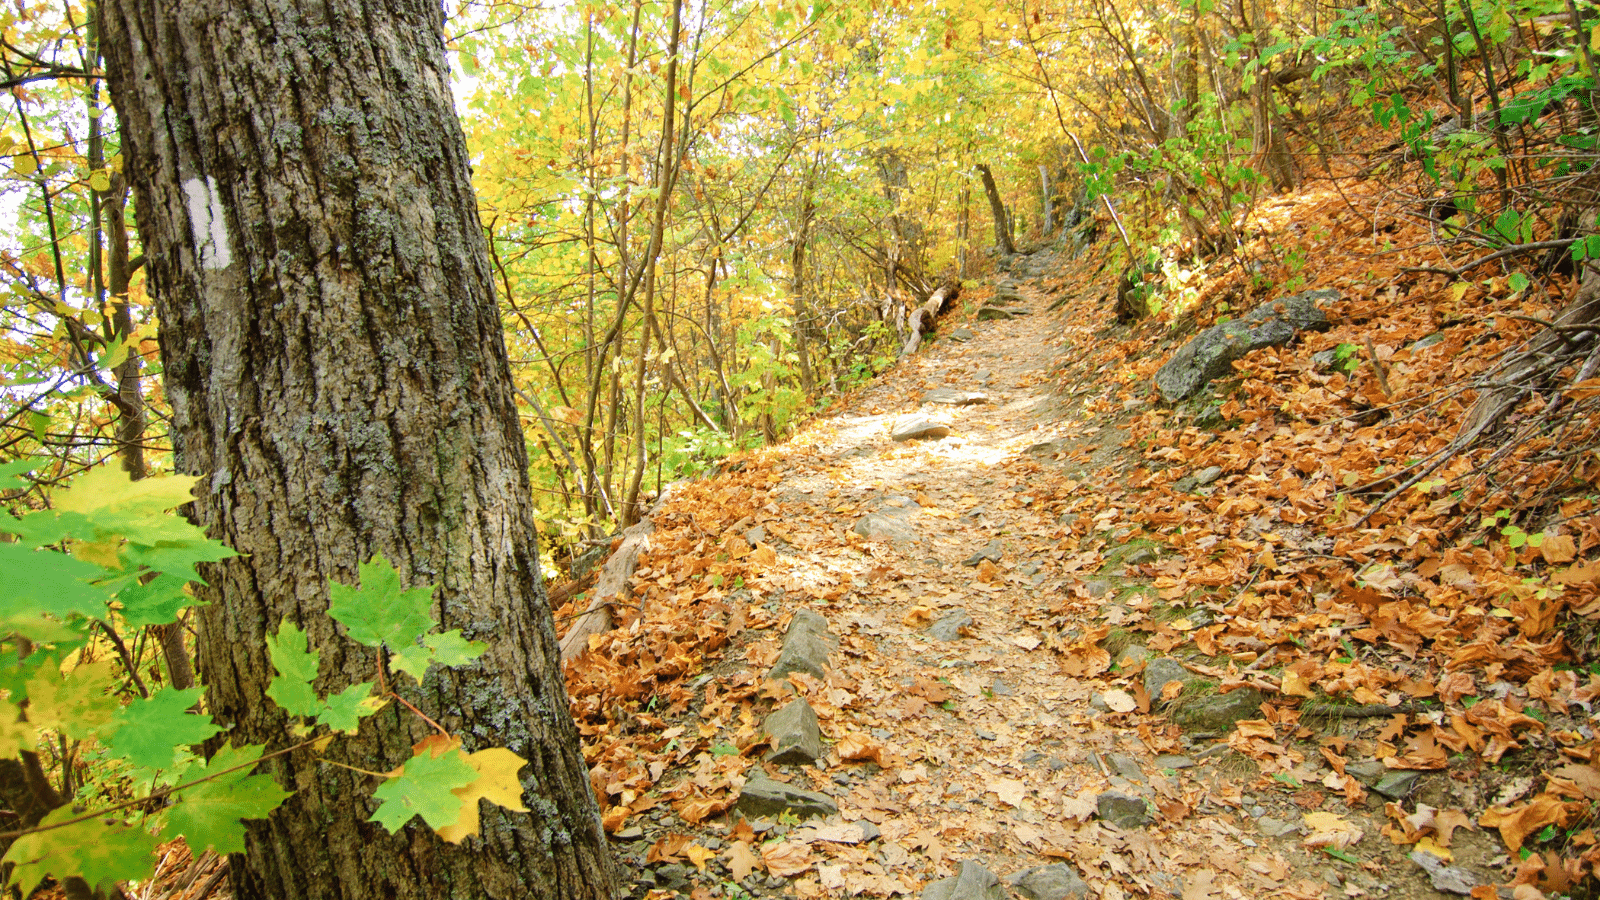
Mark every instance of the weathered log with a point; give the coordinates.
(612, 586)
(923, 317)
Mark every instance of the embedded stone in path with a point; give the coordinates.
(991, 551)
(1057, 882)
(889, 523)
(1219, 712)
(761, 796)
(953, 397)
(971, 882)
(805, 647)
(911, 428)
(796, 736)
(1123, 810)
(1160, 672)
(950, 625)
(989, 313)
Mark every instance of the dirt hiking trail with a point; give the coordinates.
(979, 689)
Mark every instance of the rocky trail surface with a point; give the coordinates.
(930, 647)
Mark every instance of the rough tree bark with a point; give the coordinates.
(337, 371)
(1002, 223)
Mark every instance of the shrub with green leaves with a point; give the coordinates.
(109, 556)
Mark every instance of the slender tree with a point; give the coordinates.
(337, 368)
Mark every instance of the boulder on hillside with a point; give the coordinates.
(1211, 353)
(971, 882)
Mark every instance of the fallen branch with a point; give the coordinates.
(612, 585)
(922, 319)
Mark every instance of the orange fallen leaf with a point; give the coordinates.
(742, 860)
(787, 859)
(1517, 822)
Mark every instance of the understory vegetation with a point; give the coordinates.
(707, 224)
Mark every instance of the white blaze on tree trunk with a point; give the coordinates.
(205, 220)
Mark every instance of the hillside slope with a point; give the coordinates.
(1180, 648)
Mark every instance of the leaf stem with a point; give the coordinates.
(158, 795)
(419, 712)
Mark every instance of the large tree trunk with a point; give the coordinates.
(1002, 222)
(336, 367)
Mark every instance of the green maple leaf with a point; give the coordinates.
(413, 660)
(446, 649)
(11, 473)
(381, 612)
(451, 649)
(156, 603)
(424, 788)
(40, 589)
(150, 732)
(345, 710)
(15, 734)
(208, 814)
(180, 557)
(297, 668)
(48, 526)
(78, 705)
(99, 853)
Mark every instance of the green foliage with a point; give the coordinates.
(108, 553)
(425, 787)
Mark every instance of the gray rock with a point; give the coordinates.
(1210, 418)
(1396, 785)
(1047, 448)
(761, 796)
(962, 334)
(912, 428)
(949, 626)
(1212, 352)
(889, 523)
(805, 647)
(950, 397)
(1325, 360)
(1274, 827)
(1174, 761)
(1099, 587)
(1126, 766)
(1428, 341)
(1207, 475)
(673, 876)
(1446, 879)
(971, 882)
(1218, 712)
(1057, 882)
(1123, 810)
(796, 736)
(1131, 655)
(989, 313)
(807, 621)
(991, 551)
(1366, 771)
(1160, 672)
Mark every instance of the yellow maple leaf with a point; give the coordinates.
(699, 855)
(742, 860)
(497, 783)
